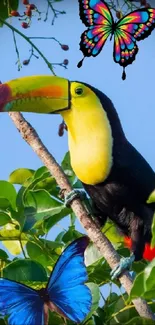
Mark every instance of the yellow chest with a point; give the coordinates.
(90, 144)
(91, 159)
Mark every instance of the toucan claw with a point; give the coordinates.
(76, 194)
(125, 264)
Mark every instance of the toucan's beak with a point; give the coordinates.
(36, 94)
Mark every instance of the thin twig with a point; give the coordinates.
(55, 11)
(45, 38)
(22, 248)
(16, 48)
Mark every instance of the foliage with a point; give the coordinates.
(28, 256)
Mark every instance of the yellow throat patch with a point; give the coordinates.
(89, 135)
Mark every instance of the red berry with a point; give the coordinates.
(14, 13)
(28, 12)
(65, 62)
(24, 25)
(32, 6)
(64, 47)
(25, 2)
(26, 62)
(119, 14)
(61, 130)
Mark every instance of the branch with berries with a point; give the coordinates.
(26, 17)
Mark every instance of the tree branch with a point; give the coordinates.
(93, 231)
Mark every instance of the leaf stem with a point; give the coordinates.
(22, 248)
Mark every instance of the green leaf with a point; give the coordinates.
(58, 214)
(20, 175)
(40, 172)
(47, 208)
(44, 180)
(78, 184)
(4, 203)
(90, 322)
(144, 285)
(153, 232)
(60, 236)
(11, 232)
(4, 13)
(71, 235)
(140, 321)
(92, 254)
(117, 309)
(42, 254)
(25, 270)
(3, 255)
(67, 168)
(20, 198)
(2, 321)
(30, 218)
(4, 218)
(55, 319)
(8, 192)
(95, 292)
(99, 272)
(44, 204)
(111, 233)
(52, 245)
(66, 164)
(100, 316)
(48, 184)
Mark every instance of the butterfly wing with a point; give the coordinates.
(66, 287)
(133, 27)
(23, 304)
(96, 15)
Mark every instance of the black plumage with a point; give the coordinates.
(122, 196)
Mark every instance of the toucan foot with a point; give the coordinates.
(125, 264)
(74, 194)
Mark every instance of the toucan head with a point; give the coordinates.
(48, 94)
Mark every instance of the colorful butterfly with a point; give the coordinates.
(65, 292)
(133, 27)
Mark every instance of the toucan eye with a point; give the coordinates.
(79, 91)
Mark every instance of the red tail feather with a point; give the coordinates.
(148, 254)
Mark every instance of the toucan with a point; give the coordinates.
(117, 178)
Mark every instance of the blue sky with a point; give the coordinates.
(133, 98)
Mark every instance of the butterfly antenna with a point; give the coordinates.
(79, 65)
(123, 74)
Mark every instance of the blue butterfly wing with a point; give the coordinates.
(66, 287)
(23, 304)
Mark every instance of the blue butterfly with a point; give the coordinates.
(65, 292)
